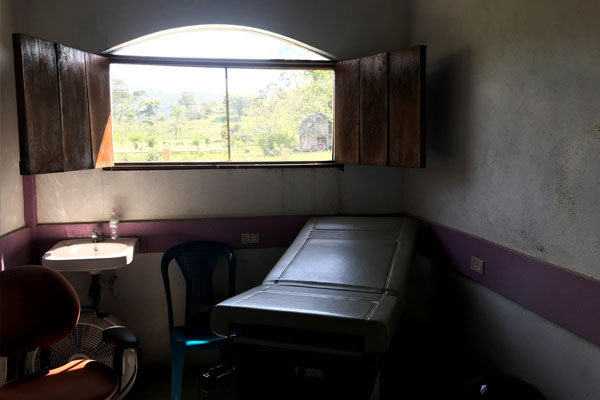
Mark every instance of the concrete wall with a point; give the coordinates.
(346, 29)
(89, 195)
(513, 125)
(11, 185)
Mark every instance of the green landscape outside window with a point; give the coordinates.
(218, 114)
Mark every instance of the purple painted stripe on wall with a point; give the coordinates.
(29, 201)
(15, 248)
(570, 300)
(158, 236)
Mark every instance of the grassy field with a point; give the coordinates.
(238, 155)
(201, 141)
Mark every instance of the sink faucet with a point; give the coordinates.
(97, 235)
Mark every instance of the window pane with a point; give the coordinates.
(168, 113)
(180, 114)
(281, 115)
(224, 42)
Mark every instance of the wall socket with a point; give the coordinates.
(477, 265)
(250, 238)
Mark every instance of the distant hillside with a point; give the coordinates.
(168, 98)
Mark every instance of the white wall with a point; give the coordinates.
(89, 195)
(11, 184)
(513, 125)
(346, 29)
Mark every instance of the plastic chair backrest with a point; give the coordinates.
(197, 261)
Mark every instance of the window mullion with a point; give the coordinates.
(227, 115)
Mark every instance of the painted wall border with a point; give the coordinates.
(561, 296)
(568, 299)
(16, 248)
(159, 235)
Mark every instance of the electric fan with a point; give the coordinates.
(85, 342)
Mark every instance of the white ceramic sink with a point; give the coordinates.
(84, 255)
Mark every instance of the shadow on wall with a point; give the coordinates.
(433, 340)
(448, 111)
(429, 357)
(455, 329)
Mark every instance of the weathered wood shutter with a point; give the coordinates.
(98, 83)
(63, 103)
(380, 109)
(347, 112)
(373, 110)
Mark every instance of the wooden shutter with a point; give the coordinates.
(74, 116)
(38, 104)
(58, 107)
(373, 110)
(407, 107)
(380, 109)
(347, 106)
(98, 83)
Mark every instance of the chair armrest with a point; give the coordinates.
(120, 337)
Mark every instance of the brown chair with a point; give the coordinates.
(38, 307)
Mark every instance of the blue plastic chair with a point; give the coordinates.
(197, 261)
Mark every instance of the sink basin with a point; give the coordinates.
(84, 255)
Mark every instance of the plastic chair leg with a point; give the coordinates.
(177, 359)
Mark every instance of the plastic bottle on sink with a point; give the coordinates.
(113, 223)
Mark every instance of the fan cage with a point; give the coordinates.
(84, 342)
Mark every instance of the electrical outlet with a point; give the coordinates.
(477, 265)
(250, 238)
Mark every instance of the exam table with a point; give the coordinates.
(324, 315)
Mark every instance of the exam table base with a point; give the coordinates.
(264, 372)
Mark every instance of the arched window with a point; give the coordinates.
(219, 93)
(219, 41)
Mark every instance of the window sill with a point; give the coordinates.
(147, 166)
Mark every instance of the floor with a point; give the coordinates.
(158, 387)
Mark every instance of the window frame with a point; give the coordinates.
(225, 63)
